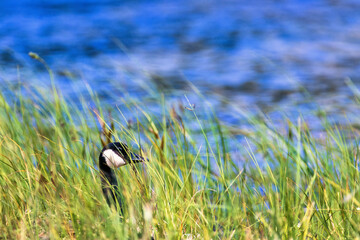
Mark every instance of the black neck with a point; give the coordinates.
(109, 184)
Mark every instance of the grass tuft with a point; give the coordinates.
(204, 180)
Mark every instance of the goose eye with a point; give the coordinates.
(112, 159)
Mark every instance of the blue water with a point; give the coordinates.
(258, 54)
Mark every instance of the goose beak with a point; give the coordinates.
(136, 158)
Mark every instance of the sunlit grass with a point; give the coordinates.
(201, 181)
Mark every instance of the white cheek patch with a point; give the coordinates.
(112, 159)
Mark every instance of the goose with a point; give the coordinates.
(112, 156)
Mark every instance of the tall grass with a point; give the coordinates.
(201, 182)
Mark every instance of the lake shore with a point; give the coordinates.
(203, 180)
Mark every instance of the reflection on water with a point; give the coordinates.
(258, 53)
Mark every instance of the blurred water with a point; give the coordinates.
(251, 54)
